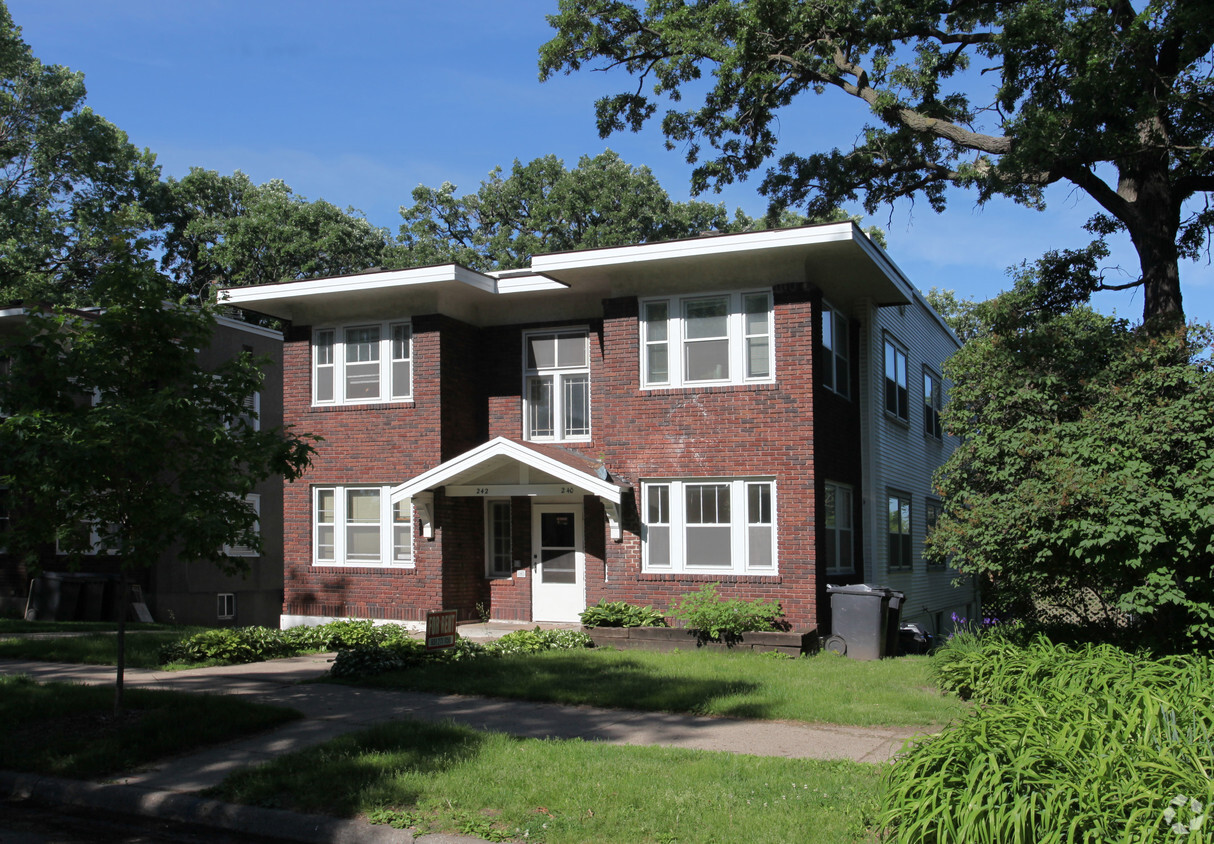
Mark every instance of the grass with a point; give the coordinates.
(45, 725)
(825, 688)
(17, 626)
(443, 777)
(100, 648)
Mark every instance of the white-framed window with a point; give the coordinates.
(556, 391)
(933, 404)
(714, 526)
(897, 395)
(838, 533)
(899, 532)
(836, 369)
(362, 364)
(499, 550)
(254, 501)
(225, 605)
(724, 338)
(358, 526)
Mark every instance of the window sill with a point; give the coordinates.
(897, 420)
(701, 577)
(708, 388)
(328, 564)
(395, 404)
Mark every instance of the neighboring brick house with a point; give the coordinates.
(187, 592)
(758, 410)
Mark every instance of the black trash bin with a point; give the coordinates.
(893, 624)
(859, 619)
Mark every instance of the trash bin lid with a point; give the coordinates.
(860, 589)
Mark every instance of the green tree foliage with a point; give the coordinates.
(226, 230)
(1112, 97)
(962, 315)
(115, 426)
(1084, 477)
(72, 187)
(543, 207)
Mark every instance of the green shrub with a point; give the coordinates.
(235, 645)
(1087, 744)
(367, 660)
(716, 619)
(621, 614)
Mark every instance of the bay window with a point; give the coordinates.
(712, 526)
(718, 339)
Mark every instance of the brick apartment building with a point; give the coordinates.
(757, 410)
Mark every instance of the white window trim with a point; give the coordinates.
(254, 500)
(739, 527)
(833, 352)
(558, 393)
(388, 391)
(736, 336)
(908, 530)
(386, 528)
(225, 605)
(489, 570)
(833, 566)
(937, 404)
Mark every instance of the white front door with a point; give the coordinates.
(558, 564)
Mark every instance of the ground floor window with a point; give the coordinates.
(359, 526)
(225, 605)
(899, 511)
(724, 526)
(837, 529)
(498, 547)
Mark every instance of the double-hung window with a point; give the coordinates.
(720, 339)
(362, 364)
(253, 500)
(712, 526)
(933, 403)
(556, 396)
(358, 526)
(837, 533)
(899, 545)
(897, 395)
(836, 372)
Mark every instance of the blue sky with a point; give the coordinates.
(361, 101)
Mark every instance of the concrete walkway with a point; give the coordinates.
(167, 789)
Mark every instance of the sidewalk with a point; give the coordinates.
(330, 710)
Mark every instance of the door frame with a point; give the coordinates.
(575, 593)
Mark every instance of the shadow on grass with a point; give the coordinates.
(579, 677)
(346, 775)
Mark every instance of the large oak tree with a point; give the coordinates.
(1114, 97)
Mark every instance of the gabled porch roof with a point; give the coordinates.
(506, 468)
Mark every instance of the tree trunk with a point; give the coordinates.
(124, 599)
(1153, 227)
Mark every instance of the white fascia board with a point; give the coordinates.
(502, 447)
(9, 313)
(443, 273)
(259, 330)
(697, 247)
(530, 283)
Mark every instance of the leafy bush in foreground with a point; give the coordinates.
(1091, 744)
(255, 644)
(392, 656)
(621, 614)
(716, 619)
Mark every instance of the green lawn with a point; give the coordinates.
(442, 777)
(97, 647)
(17, 626)
(825, 688)
(67, 730)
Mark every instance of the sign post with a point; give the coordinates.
(440, 630)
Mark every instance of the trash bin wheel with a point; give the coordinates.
(836, 645)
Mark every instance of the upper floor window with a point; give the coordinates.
(837, 512)
(713, 526)
(836, 372)
(897, 395)
(359, 526)
(362, 364)
(556, 395)
(719, 339)
(254, 502)
(933, 403)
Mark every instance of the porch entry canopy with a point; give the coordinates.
(504, 468)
